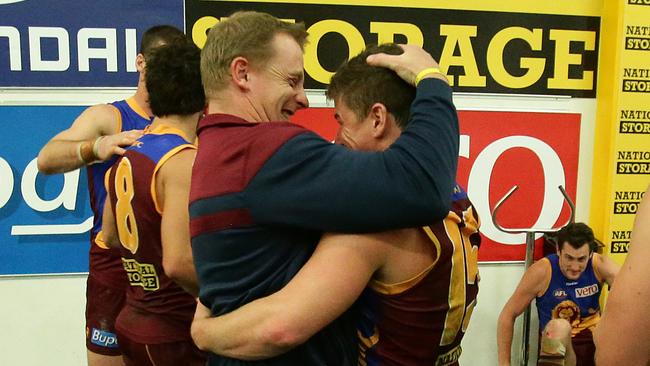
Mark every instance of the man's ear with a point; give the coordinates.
(140, 62)
(239, 68)
(380, 120)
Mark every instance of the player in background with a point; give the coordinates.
(146, 216)
(93, 140)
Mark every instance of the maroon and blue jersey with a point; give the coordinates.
(421, 321)
(263, 193)
(104, 263)
(574, 300)
(157, 310)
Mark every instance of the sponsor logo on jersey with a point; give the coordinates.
(450, 357)
(103, 338)
(573, 283)
(141, 274)
(587, 291)
(568, 310)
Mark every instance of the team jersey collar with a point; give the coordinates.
(163, 129)
(136, 107)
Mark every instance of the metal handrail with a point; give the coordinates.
(537, 230)
(530, 246)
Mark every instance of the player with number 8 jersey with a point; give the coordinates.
(146, 216)
(131, 183)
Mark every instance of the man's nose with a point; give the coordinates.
(302, 100)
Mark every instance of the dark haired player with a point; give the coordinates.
(566, 286)
(92, 140)
(146, 216)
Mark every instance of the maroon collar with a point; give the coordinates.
(222, 120)
(219, 118)
(229, 120)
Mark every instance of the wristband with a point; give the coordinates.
(96, 147)
(85, 152)
(81, 159)
(425, 72)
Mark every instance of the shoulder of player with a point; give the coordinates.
(540, 267)
(538, 275)
(180, 161)
(104, 118)
(598, 260)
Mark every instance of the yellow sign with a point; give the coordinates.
(482, 49)
(622, 156)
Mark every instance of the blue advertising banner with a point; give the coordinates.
(44, 220)
(70, 43)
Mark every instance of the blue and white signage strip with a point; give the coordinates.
(70, 43)
(44, 220)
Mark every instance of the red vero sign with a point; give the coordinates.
(535, 151)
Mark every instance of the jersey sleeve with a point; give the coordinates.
(311, 183)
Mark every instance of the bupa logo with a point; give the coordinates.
(587, 291)
(559, 294)
(103, 338)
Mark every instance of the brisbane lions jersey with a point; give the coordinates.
(573, 300)
(105, 263)
(421, 321)
(157, 310)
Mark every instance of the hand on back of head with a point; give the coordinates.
(407, 65)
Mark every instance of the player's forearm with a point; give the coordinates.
(181, 271)
(249, 333)
(188, 281)
(239, 347)
(60, 156)
(504, 338)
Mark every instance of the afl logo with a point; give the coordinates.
(559, 294)
(567, 310)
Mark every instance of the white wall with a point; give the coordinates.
(498, 282)
(42, 321)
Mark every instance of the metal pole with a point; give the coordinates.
(525, 346)
(530, 246)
